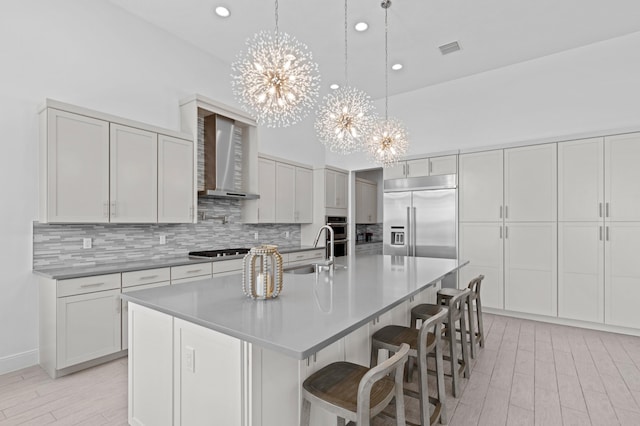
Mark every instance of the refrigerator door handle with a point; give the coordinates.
(413, 233)
(409, 232)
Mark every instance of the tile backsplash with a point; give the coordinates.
(375, 229)
(60, 245)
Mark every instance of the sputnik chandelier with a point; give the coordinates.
(276, 79)
(345, 118)
(388, 140)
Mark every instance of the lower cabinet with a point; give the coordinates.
(125, 309)
(622, 275)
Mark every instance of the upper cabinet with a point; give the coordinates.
(285, 190)
(420, 167)
(622, 175)
(96, 168)
(481, 191)
(336, 189)
(366, 201)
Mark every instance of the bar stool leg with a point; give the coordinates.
(453, 353)
(305, 415)
(341, 421)
(440, 385)
(465, 347)
(472, 334)
(480, 325)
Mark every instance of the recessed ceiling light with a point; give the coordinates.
(222, 11)
(396, 67)
(334, 86)
(361, 26)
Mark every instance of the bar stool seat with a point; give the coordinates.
(422, 343)
(354, 392)
(454, 303)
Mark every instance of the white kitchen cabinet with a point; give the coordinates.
(482, 245)
(530, 268)
(303, 195)
(581, 271)
(480, 186)
(285, 192)
(417, 168)
(530, 184)
(622, 177)
(581, 180)
(445, 165)
(74, 167)
(305, 257)
(125, 308)
(396, 171)
(88, 327)
(336, 189)
(175, 180)
(267, 190)
(133, 175)
(366, 201)
(622, 275)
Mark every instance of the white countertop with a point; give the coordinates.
(312, 311)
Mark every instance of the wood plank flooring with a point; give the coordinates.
(528, 373)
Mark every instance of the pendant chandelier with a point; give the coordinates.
(345, 118)
(276, 79)
(388, 139)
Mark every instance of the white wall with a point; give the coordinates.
(590, 89)
(92, 54)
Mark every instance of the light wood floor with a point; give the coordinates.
(528, 373)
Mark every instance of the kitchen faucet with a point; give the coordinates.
(329, 261)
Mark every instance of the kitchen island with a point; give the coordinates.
(203, 353)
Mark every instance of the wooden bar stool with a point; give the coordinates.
(354, 392)
(422, 342)
(455, 315)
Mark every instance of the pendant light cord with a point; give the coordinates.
(276, 18)
(386, 65)
(346, 75)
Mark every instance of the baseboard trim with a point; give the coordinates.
(18, 361)
(564, 321)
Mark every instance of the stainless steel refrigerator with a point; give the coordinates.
(420, 216)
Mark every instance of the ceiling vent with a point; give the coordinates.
(445, 49)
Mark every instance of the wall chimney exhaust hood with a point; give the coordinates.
(219, 160)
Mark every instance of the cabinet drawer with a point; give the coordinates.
(226, 266)
(188, 271)
(84, 285)
(304, 257)
(147, 276)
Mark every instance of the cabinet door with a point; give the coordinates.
(622, 175)
(88, 327)
(267, 190)
(125, 309)
(361, 214)
(446, 165)
(481, 186)
(341, 191)
(134, 175)
(530, 268)
(418, 168)
(622, 275)
(175, 180)
(581, 271)
(371, 202)
(397, 171)
(482, 245)
(330, 189)
(530, 183)
(581, 180)
(285, 193)
(77, 159)
(304, 195)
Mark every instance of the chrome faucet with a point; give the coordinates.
(329, 261)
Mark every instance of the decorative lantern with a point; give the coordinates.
(262, 272)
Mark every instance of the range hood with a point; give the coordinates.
(219, 160)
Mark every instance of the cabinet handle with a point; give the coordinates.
(600, 233)
(506, 232)
(501, 232)
(114, 211)
(194, 271)
(500, 212)
(315, 358)
(91, 285)
(404, 170)
(607, 233)
(148, 277)
(599, 209)
(105, 209)
(506, 212)
(430, 166)
(606, 210)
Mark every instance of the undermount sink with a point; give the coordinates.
(304, 269)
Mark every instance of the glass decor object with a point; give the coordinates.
(276, 78)
(262, 272)
(388, 141)
(346, 116)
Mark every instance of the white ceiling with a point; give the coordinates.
(492, 33)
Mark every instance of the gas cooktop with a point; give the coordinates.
(219, 253)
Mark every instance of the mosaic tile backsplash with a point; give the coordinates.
(60, 245)
(375, 229)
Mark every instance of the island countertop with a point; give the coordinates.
(313, 310)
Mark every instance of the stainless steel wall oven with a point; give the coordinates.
(340, 233)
